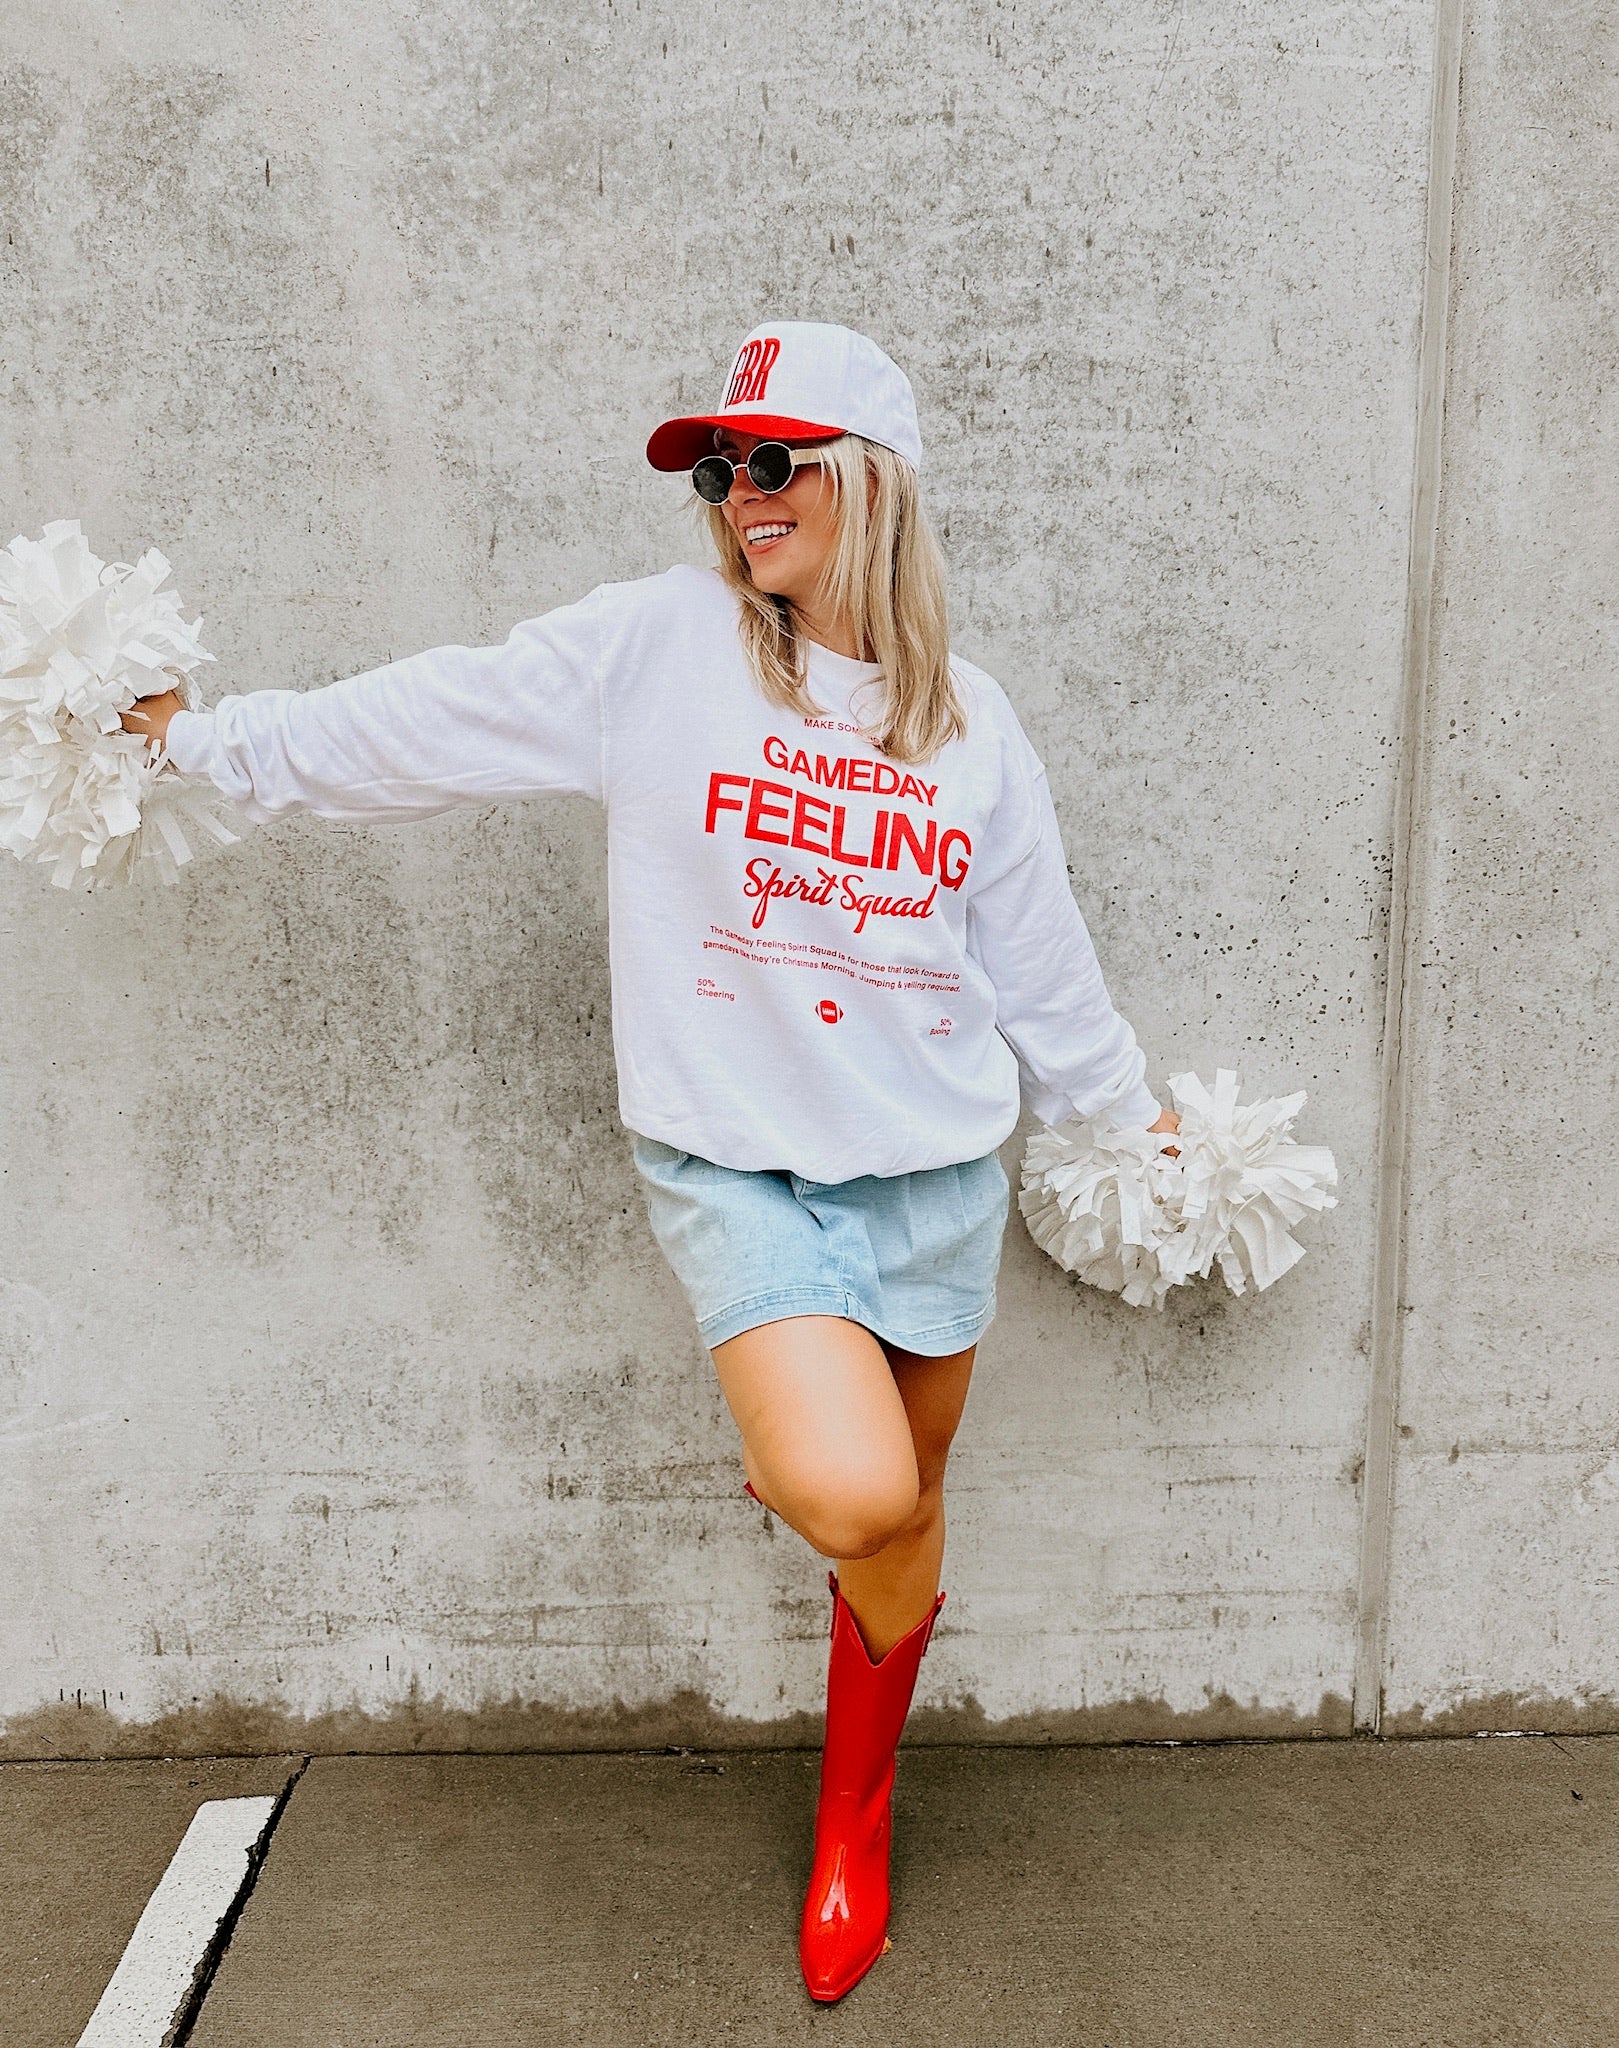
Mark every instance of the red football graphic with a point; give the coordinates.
(827, 1010)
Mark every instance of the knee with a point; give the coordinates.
(857, 1518)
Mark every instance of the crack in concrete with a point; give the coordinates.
(1406, 882)
(213, 1955)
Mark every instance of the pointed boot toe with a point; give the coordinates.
(840, 1936)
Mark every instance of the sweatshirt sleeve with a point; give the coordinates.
(1075, 1053)
(456, 725)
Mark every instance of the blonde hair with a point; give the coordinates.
(885, 577)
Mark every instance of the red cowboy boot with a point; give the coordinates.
(845, 1923)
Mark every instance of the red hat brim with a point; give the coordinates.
(677, 444)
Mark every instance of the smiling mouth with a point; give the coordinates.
(758, 537)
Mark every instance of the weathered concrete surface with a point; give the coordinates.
(1280, 1896)
(342, 1382)
(82, 1847)
(1505, 1595)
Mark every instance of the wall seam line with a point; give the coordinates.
(1407, 873)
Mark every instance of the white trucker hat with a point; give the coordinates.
(801, 380)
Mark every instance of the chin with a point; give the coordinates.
(773, 585)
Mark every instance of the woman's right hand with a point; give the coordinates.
(151, 715)
(1171, 1122)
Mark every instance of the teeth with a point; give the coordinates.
(759, 533)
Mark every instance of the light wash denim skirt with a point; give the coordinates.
(912, 1256)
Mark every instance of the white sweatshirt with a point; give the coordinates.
(822, 960)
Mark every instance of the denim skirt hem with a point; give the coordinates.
(938, 1342)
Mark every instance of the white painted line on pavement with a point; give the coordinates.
(155, 1976)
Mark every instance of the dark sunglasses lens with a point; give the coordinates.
(711, 479)
(771, 465)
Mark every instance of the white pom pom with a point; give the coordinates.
(1110, 1205)
(1094, 1197)
(1243, 1183)
(80, 641)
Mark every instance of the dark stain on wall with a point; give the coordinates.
(686, 1719)
(689, 1720)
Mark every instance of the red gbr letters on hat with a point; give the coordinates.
(754, 362)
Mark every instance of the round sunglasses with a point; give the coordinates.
(770, 469)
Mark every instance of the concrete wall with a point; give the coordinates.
(343, 1395)
(1504, 1602)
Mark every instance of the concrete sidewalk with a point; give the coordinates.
(1444, 1894)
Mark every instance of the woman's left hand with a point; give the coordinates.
(151, 715)
(1169, 1121)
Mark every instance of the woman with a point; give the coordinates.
(842, 937)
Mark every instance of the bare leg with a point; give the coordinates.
(847, 1441)
(825, 1435)
(893, 1588)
